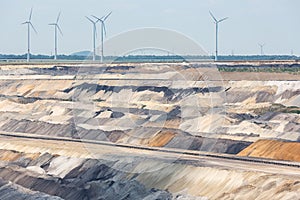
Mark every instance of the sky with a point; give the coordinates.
(273, 22)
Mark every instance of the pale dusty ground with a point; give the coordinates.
(195, 175)
(191, 175)
(83, 150)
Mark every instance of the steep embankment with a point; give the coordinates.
(174, 105)
(278, 150)
(117, 177)
(161, 105)
(68, 178)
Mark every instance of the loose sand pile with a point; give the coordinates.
(272, 149)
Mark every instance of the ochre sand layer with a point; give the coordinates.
(277, 150)
(184, 175)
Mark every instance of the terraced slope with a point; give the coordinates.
(133, 175)
(68, 178)
(183, 106)
(178, 106)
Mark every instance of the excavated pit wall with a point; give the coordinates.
(147, 105)
(177, 106)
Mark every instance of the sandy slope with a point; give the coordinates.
(184, 177)
(278, 150)
(160, 105)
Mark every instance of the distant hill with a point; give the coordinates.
(82, 53)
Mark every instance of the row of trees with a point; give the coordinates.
(149, 58)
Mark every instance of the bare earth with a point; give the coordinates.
(186, 107)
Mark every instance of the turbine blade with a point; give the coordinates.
(30, 15)
(221, 20)
(59, 29)
(32, 27)
(58, 17)
(105, 18)
(24, 23)
(52, 24)
(213, 17)
(90, 19)
(97, 18)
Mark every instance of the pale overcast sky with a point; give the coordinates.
(274, 22)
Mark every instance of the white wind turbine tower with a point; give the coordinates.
(217, 31)
(56, 26)
(29, 25)
(262, 48)
(94, 36)
(103, 32)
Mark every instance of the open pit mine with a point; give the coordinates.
(149, 131)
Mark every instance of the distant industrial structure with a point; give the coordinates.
(94, 36)
(262, 49)
(217, 22)
(56, 27)
(29, 25)
(94, 20)
(103, 32)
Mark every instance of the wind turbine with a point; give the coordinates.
(56, 26)
(262, 48)
(103, 32)
(94, 36)
(217, 30)
(29, 25)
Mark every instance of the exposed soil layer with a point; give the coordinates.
(183, 106)
(187, 106)
(277, 150)
(120, 177)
